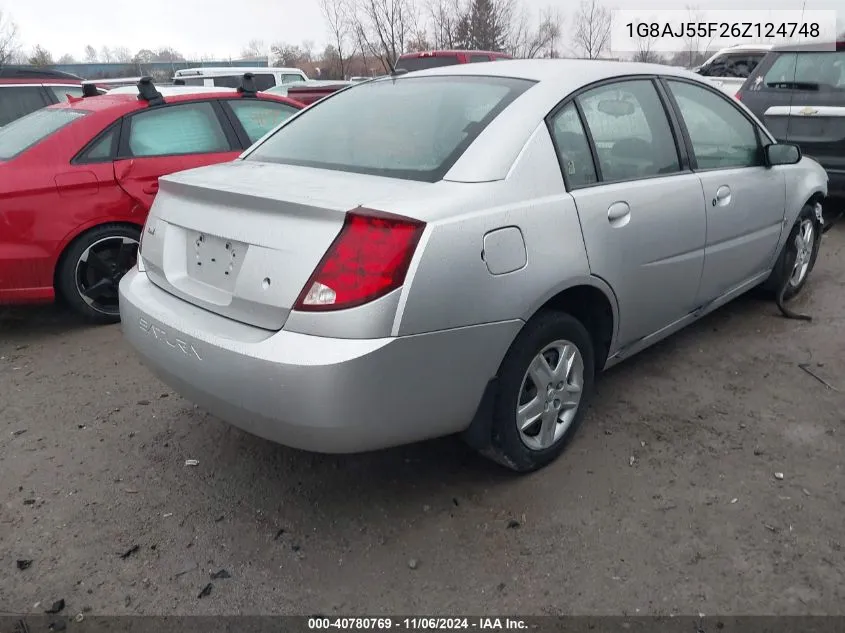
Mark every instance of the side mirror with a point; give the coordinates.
(782, 154)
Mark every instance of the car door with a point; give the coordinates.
(745, 200)
(170, 138)
(641, 209)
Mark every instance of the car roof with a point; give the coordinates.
(172, 91)
(33, 73)
(811, 47)
(124, 102)
(232, 70)
(567, 74)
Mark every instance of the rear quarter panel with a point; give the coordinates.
(449, 284)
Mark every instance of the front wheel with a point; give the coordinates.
(91, 270)
(798, 257)
(545, 382)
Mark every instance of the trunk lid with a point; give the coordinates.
(241, 239)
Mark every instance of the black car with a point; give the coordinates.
(798, 92)
(24, 89)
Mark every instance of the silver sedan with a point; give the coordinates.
(462, 250)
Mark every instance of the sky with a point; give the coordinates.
(199, 28)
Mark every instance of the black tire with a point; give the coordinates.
(113, 252)
(782, 270)
(507, 446)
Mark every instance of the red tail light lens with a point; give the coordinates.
(368, 259)
(738, 97)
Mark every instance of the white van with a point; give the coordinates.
(232, 76)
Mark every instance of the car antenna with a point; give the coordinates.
(247, 87)
(396, 72)
(147, 92)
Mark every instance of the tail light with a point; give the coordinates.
(738, 95)
(368, 259)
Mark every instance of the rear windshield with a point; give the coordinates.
(22, 134)
(413, 128)
(421, 63)
(808, 71)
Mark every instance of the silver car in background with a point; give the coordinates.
(461, 250)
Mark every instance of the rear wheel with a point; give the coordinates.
(545, 382)
(92, 268)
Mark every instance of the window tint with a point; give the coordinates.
(25, 132)
(197, 81)
(228, 81)
(102, 149)
(573, 147)
(263, 81)
(287, 79)
(259, 117)
(478, 58)
(62, 92)
(721, 135)
(632, 135)
(421, 63)
(413, 128)
(820, 70)
(180, 129)
(17, 101)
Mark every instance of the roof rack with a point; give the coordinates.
(147, 92)
(89, 90)
(247, 87)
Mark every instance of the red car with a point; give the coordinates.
(434, 59)
(78, 179)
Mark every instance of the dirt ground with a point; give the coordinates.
(665, 502)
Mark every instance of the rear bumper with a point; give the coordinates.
(314, 393)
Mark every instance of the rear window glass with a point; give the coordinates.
(22, 134)
(421, 63)
(412, 128)
(808, 71)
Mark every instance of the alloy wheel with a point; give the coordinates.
(100, 268)
(550, 394)
(804, 243)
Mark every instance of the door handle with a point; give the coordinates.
(619, 213)
(723, 196)
(153, 188)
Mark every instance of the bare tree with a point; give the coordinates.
(40, 57)
(254, 50)
(528, 39)
(592, 29)
(384, 28)
(8, 39)
(444, 17)
(121, 54)
(90, 54)
(67, 59)
(336, 13)
(106, 55)
(695, 46)
(645, 51)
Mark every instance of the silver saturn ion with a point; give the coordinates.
(461, 250)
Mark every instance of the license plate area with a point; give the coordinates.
(213, 260)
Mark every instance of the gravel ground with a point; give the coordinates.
(665, 502)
